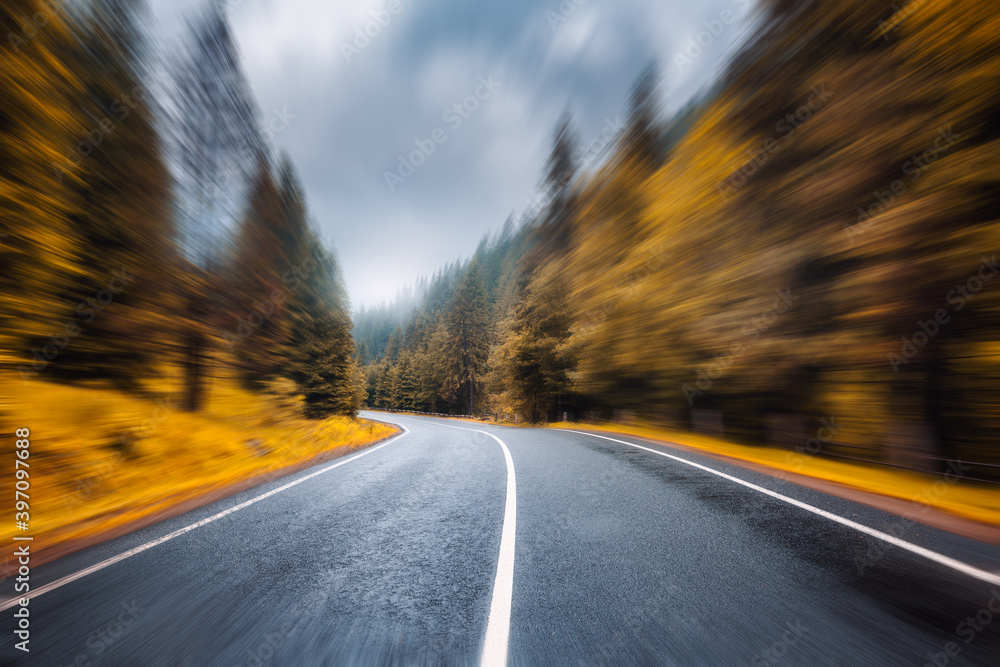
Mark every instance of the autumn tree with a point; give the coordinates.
(530, 367)
(41, 130)
(322, 357)
(466, 338)
(552, 232)
(259, 331)
(219, 138)
(125, 220)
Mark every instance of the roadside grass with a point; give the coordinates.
(102, 459)
(976, 502)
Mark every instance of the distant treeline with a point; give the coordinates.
(815, 239)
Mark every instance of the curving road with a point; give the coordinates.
(457, 543)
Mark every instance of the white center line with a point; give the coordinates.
(957, 565)
(42, 590)
(498, 626)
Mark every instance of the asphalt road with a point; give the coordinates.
(426, 550)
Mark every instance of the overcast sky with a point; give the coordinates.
(351, 112)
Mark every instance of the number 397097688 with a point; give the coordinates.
(22, 484)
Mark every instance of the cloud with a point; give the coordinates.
(353, 119)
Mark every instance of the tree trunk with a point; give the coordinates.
(470, 396)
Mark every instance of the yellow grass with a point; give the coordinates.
(84, 482)
(971, 501)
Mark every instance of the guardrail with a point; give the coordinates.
(421, 412)
(940, 463)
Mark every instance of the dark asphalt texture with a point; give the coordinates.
(622, 557)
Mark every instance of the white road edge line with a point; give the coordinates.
(42, 590)
(957, 565)
(498, 626)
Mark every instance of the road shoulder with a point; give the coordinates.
(960, 510)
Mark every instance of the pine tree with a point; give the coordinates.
(530, 367)
(465, 344)
(260, 329)
(216, 124)
(362, 354)
(326, 373)
(551, 238)
(384, 373)
(428, 364)
(641, 141)
(406, 383)
(323, 362)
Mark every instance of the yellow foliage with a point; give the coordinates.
(102, 459)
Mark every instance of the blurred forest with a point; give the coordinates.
(814, 239)
(148, 227)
